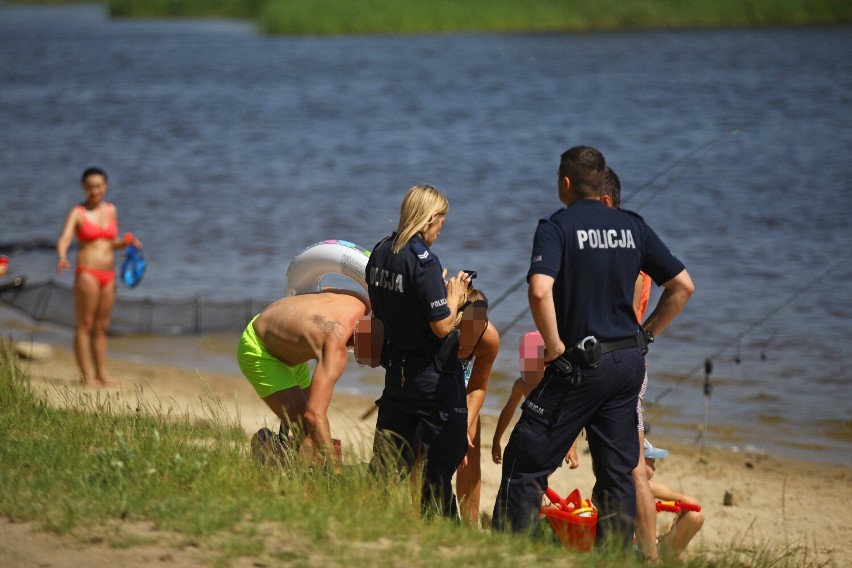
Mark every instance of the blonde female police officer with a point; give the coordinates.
(423, 405)
(585, 261)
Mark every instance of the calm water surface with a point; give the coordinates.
(229, 152)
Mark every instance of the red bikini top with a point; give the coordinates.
(90, 231)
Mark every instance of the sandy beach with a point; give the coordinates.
(781, 503)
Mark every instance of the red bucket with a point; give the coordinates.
(573, 521)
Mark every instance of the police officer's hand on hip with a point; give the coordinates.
(585, 261)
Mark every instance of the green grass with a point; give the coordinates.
(412, 16)
(185, 8)
(93, 468)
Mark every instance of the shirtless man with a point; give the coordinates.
(276, 346)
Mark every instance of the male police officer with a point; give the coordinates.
(585, 261)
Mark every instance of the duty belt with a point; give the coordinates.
(395, 356)
(588, 352)
(610, 346)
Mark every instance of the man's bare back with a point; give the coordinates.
(296, 329)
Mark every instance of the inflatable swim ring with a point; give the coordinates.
(326, 257)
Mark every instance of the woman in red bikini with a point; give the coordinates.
(95, 224)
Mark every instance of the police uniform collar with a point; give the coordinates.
(588, 202)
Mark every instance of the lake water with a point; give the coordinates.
(229, 152)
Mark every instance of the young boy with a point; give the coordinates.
(686, 524)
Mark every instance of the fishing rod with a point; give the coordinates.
(754, 325)
(686, 157)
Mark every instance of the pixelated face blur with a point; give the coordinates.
(474, 319)
(531, 354)
(369, 336)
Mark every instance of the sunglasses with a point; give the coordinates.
(475, 304)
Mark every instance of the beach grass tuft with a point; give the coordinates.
(93, 467)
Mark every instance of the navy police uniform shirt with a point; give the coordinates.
(595, 253)
(407, 291)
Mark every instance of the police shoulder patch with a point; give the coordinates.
(424, 255)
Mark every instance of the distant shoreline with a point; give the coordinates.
(347, 17)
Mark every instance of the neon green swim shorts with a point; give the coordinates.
(266, 373)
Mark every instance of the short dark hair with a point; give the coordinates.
(612, 186)
(584, 167)
(93, 171)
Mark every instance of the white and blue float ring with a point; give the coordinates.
(307, 269)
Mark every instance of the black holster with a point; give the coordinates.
(587, 353)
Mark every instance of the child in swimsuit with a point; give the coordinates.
(531, 351)
(479, 344)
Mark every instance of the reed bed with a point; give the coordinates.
(331, 17)
(448, 16)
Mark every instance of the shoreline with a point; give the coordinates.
(210, 355)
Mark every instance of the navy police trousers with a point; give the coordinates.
(604, 403)
(423, 415)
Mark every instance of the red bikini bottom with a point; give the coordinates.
(104, 277)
